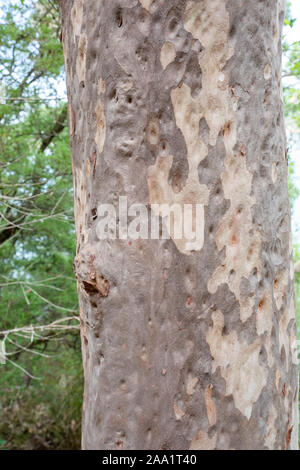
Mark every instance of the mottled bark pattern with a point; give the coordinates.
(175, 101)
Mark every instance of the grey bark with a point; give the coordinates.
(172, 100)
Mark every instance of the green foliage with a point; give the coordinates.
(291, 70)
(293, 189)
(44, 414)
(289, 21)
(37, 239)
(291, 73)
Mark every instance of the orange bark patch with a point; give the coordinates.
(210, 406)
(288, 437)
(277, 379)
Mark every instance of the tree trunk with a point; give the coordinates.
(185, 345)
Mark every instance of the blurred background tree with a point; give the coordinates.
(291, 89)
(41, 380)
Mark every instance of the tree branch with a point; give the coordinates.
(58, 127)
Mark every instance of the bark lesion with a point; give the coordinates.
(90, 280)
(99, 286)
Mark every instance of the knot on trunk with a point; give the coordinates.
(99, 285)
(87, 274)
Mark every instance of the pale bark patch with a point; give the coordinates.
(146, 4)
(81, 199)
(187, 115)
(267, 72)
(100, 118)
(76, 17)
(208, 22)
(191, 384)
(280, 284)
(101, 86)
(239, 364)
(277, 379)
(268, 345)
(236, 234)
(202, 441)
(81, 58)
(274, 172)
(167, 54)
(65, 43)
(72, 120)
(179, 413)
(210, 406)
(160, 192)
(214, 103)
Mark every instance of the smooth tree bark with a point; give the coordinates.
(185, 346)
